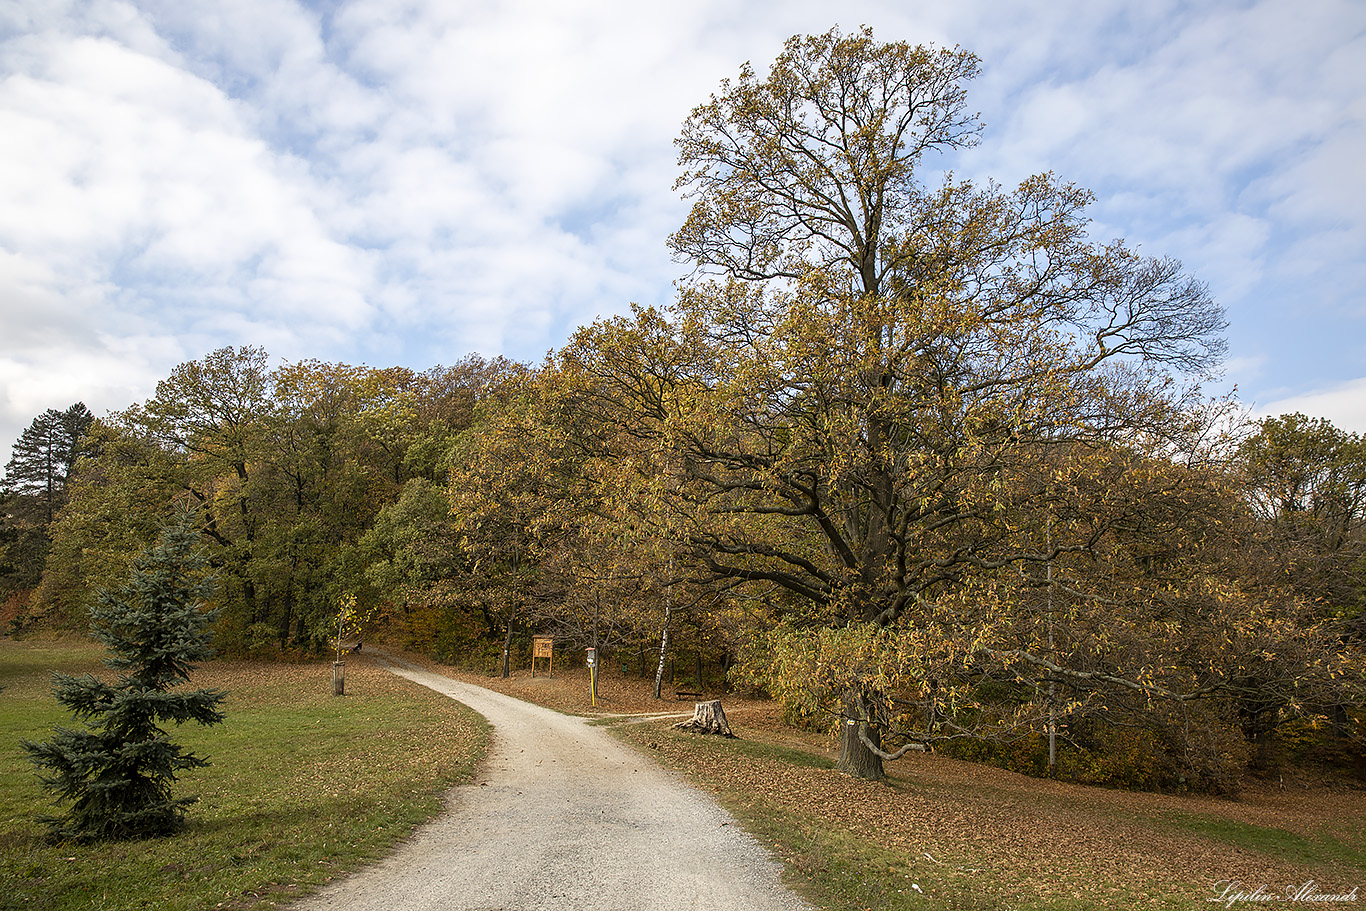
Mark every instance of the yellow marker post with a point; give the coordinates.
(593, 676)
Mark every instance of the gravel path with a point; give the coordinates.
(564, 816)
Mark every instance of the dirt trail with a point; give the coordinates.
(563, 816)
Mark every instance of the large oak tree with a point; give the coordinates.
(877, 393)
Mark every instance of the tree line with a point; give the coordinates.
(916, 456)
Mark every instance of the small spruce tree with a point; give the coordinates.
(117, 775)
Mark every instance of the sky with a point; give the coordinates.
(404, 182)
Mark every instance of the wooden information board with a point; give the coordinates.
(543, 647)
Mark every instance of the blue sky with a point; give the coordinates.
(402, 182)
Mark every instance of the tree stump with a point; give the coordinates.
(707, 718)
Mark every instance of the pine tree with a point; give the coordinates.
(42, 458)
(117, 775)
(33, 489)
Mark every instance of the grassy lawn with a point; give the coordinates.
(1320, 847)
(943, 834)
(303, 785)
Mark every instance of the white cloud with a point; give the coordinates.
(1227, 134)
(403, 181)
(132, 165)
(1344, 404)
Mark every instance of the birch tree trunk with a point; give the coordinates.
(663, 649)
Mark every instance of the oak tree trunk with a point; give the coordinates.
(855, 757)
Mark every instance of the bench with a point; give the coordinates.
(687, 694)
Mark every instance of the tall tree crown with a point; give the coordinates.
(816, 164)
(809, 182)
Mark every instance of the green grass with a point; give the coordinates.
(834, 870)
(757, 749)
(1287, 846)
(303, 786)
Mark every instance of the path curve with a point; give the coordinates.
(562, 815)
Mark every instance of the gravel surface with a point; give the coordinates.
(564, 816)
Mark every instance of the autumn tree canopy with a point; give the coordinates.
(1306, 480)
(289, 466)
(877, 394)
